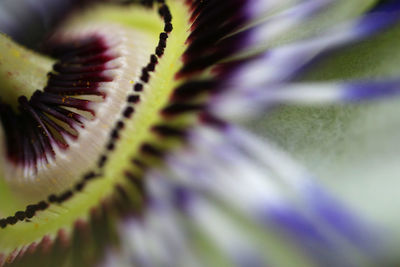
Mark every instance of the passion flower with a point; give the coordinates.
(121, 144)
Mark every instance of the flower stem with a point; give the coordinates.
(22, 71)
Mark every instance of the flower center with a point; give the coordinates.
(53, 136)
(50, 140)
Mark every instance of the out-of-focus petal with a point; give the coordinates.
(30, 21)
(228, 187)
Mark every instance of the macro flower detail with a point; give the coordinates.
(128, 133)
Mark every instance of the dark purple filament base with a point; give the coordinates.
(42, 122)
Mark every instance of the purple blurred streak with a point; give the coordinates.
(29, 22)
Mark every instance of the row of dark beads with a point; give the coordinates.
(23, 215)
(165, 13)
